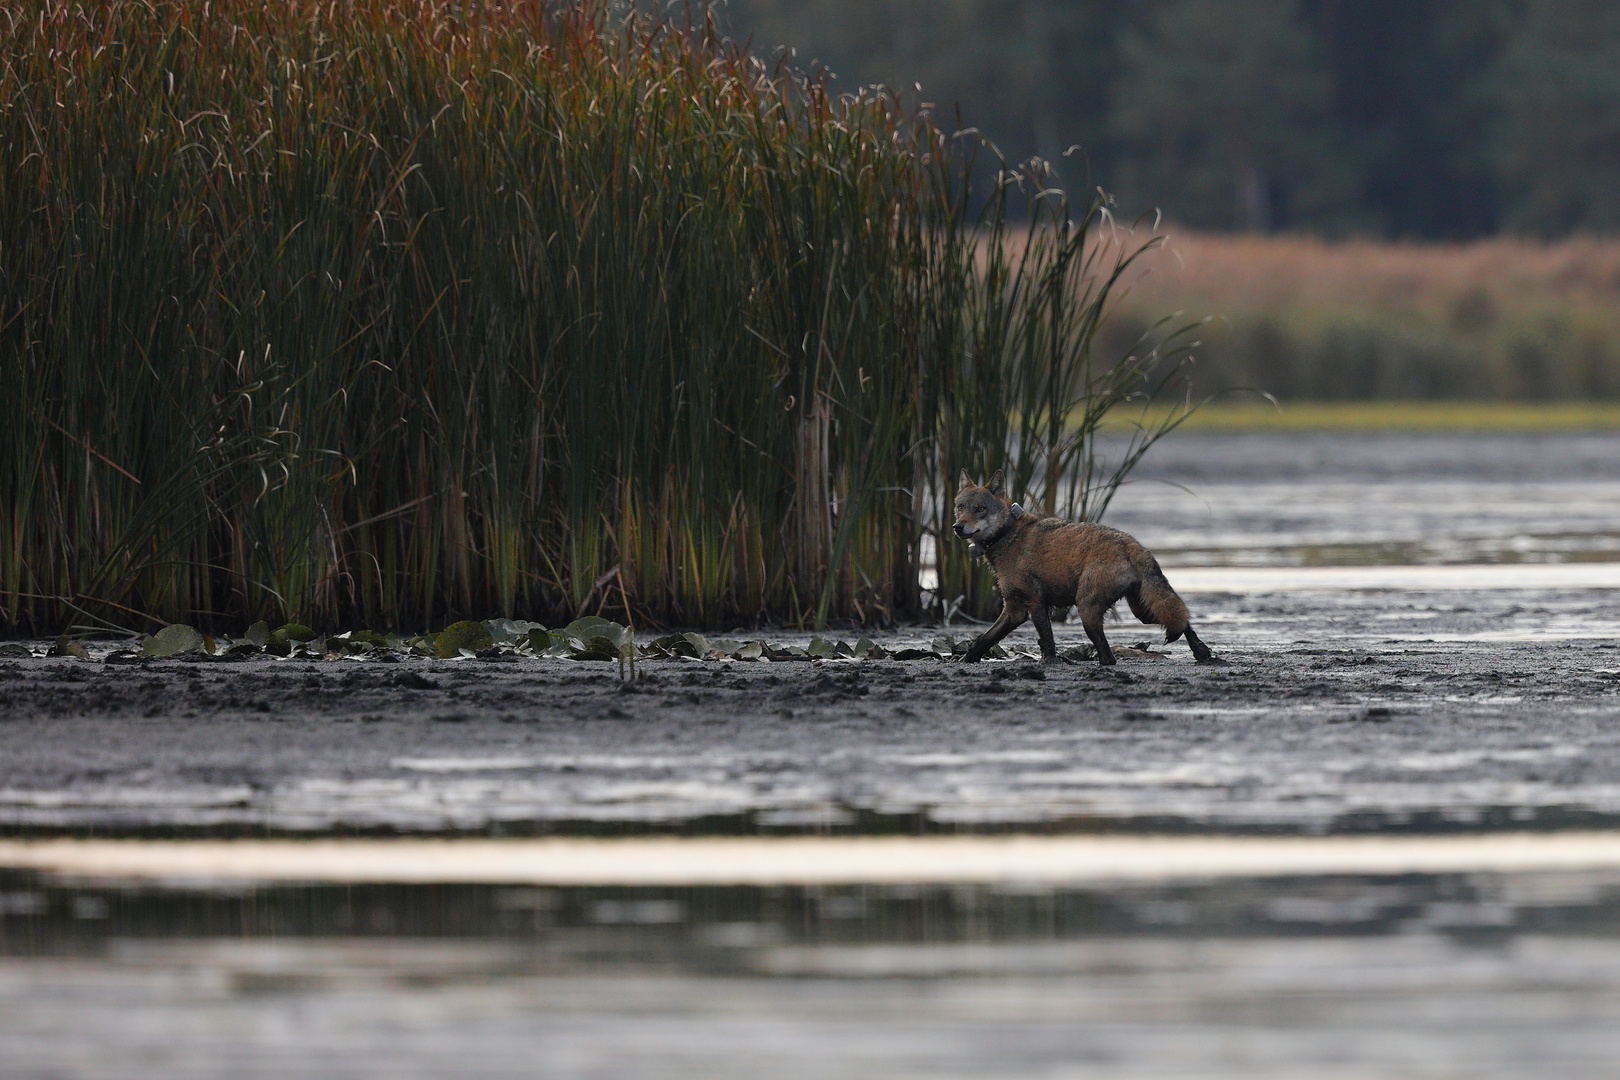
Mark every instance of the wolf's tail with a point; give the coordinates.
(1154, 601)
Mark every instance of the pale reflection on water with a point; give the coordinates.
(1417, 975)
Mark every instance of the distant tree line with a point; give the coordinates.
(1440, 119)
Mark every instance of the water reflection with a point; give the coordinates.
(768, 929)
(1475, 975)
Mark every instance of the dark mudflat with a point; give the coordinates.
(1330, 713)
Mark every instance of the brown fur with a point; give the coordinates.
(1042, 563)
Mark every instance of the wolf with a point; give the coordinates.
(1041, 563)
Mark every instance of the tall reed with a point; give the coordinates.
(394, 312)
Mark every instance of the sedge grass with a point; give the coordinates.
(393, 313)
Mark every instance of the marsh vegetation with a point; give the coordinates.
(390, 314)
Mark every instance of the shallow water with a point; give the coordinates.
(1205, 499)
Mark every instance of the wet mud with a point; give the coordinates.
(1330, 712)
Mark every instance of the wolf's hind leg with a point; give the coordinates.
(1011, 618)
(1091, 617)
(1201, 651)
(1042, 618)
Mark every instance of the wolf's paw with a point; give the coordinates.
(1214, 661)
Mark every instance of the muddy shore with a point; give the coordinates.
(1408, 703)
(1331, 713)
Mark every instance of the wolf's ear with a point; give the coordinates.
(967, 481)
(995, 483)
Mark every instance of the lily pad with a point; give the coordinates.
(294, 632)
(257, 634)
(11, 648)
(867, 649)
(469, 635)
(689, 645)
(511, 631)
(175, 640)
(595, 626)
(66, 646)
(597, 647)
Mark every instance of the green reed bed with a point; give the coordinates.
(396, 313)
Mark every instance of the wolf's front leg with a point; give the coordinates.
(1012, 616)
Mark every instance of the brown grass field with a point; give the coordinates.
(1246, 273)
(1307, 319)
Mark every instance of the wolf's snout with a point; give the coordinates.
(961, 529)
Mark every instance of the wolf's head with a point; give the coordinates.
(983, 511)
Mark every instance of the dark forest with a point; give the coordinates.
(1412, 119)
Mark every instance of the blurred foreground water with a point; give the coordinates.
(1476, 976)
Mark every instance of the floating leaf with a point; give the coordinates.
(597, 647)
(11, 648)
(867, 649)
(466, 634)
(511, 631)
(689, 645)
(821, 648)
(595, 626)
(66, 646)
(750, 650)
(295, 632)
(258, 633)
(175, 640)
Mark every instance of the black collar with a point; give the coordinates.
(1005, 531)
